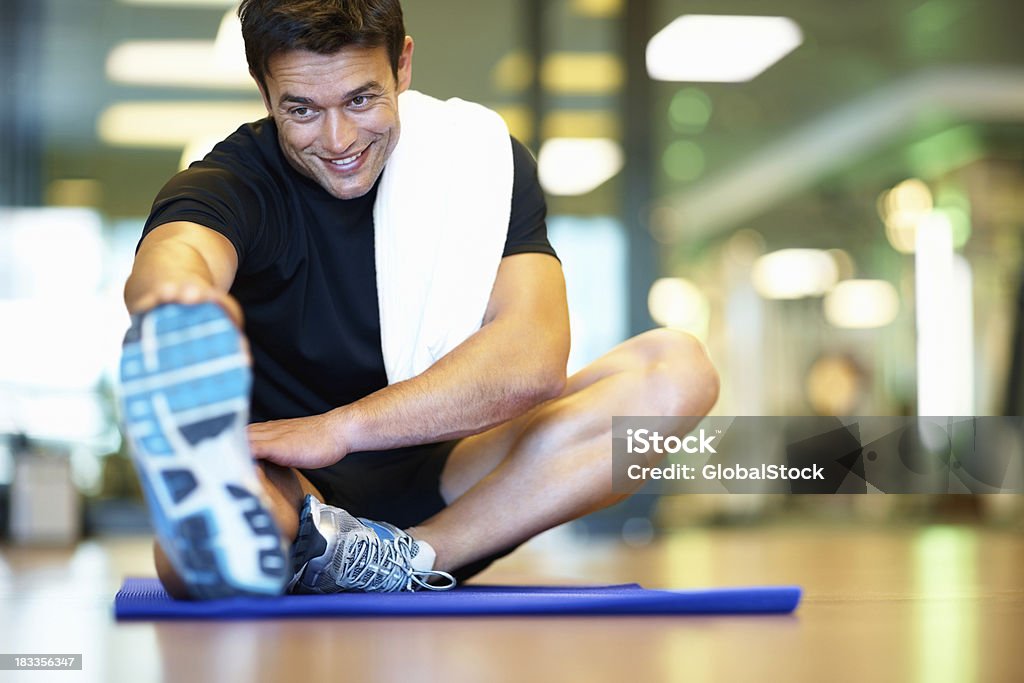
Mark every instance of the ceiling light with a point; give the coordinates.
(701, 47)
(574, 166)
(678, 303)
(862, 304)
(902, 208)
(601, 9)
(582, 73)
(173, 124)
(175, 63)
(911, 196)
(185, 63)
(794, 274)
(229, 46)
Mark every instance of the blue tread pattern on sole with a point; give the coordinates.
(185, 379)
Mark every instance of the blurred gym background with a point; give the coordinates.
(830, 195)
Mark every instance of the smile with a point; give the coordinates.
(347, 161)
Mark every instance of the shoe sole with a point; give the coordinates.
(309, 545)
(185, 383)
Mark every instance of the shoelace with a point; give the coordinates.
(377, 565)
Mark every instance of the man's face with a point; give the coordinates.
(337, 115)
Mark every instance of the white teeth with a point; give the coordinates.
(343, 162)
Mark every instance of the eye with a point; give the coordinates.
(360, 100)
(300, 111)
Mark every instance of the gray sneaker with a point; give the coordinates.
(335, 552)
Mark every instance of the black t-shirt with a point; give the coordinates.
(306, 277)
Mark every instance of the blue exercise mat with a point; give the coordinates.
(146, 599)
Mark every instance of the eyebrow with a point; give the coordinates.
(298, 99)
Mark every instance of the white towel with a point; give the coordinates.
(440, 224)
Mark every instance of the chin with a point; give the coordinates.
(348, 192)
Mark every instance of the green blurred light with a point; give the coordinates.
(683, 160)
(934, 16)
(689, 111)
(954, 204)
(946, 151)
(932, 27)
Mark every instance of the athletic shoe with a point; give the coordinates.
(335, 552)
(185, 382)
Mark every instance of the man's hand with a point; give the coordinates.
(304, 442)
(185, 292)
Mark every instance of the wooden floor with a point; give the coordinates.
(930, 604)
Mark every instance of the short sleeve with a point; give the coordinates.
(527, 228)
(219, 198)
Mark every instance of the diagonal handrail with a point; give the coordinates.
(782, 168)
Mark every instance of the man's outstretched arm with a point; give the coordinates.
(184, 263)
(514, 362)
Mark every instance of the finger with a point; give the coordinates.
(261, 450)
(190, 294)
(260, 436)
(143, 303)
(261, 429)
(166, 292)
(276, 457)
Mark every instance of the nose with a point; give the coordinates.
(339, 134)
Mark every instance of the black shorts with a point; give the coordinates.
(400, 486)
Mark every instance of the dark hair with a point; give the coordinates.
(321, 26)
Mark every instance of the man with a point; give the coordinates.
(369, 485)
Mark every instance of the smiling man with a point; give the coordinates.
(337, 114)
(271, 265)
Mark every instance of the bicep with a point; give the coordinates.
(529, 291)
(215, 251)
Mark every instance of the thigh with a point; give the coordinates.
(476, 456)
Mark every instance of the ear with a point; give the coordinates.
(405, 65)
(263, 93)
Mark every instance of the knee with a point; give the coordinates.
(677, 365)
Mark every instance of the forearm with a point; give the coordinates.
(184, 263)
(161, 265)
(514, 362)
(490, 378)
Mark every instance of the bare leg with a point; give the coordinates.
(553, 464)
(285, 489)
